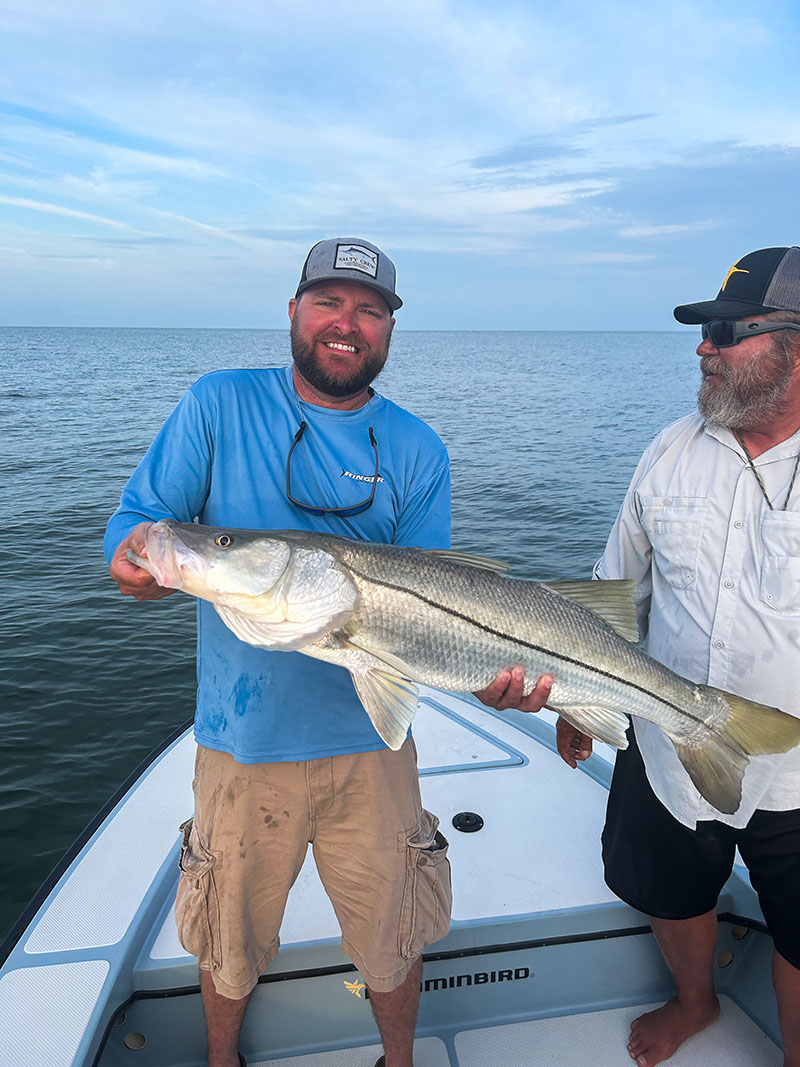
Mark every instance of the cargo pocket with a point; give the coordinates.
(780, 562)
(197, 904)
(427, 895)
(674, 527)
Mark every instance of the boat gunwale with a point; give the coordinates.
(40, 897)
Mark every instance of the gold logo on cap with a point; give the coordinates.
(354, 987)
(734, 270)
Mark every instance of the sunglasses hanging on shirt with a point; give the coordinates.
(319, 509)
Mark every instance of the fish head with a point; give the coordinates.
(212, 562)
(275, 589)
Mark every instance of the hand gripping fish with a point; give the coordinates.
(395, 616)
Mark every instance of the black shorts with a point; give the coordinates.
(661, 867)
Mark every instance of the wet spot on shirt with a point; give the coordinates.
(215, 722)
(245, 691)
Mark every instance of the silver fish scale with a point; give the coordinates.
(457, 626)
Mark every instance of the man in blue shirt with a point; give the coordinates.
(310, 446)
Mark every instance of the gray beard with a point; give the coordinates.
(340, 385)
(749, 396)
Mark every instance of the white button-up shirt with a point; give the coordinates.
(717, 592)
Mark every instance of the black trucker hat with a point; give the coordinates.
(351, 259)
(762, 281)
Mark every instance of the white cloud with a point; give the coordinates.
(59, 209)
(663, 231)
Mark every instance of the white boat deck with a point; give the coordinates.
(555, 963)
(597, 1038)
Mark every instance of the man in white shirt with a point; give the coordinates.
(710, 532)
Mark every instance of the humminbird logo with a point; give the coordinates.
(356, 257)
(459, 981)
(355, 988)
(358, 477)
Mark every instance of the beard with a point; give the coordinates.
(748, 395)
(357, 373)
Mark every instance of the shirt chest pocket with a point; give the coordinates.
(780, 562)
(675, 526)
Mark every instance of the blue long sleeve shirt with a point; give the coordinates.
(221, 458)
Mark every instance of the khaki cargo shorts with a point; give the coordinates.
(378, 852)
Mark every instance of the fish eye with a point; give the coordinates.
(223, 541)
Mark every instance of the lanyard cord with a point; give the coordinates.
(754, 469)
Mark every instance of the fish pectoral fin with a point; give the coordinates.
(398, 664)
(600, 723)
(612, 600)
(467, 559)
(284, 635)
(390, 702)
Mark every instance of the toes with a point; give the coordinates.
(636, 1045)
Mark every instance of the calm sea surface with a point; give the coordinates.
(544, 431)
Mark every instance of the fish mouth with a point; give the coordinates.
(162, 556)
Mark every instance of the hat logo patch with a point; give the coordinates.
(356, 257)
(734, 270)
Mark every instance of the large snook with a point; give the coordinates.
(394, 616)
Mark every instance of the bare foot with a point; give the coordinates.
(659, 1034)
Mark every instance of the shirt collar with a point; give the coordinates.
(786, 449)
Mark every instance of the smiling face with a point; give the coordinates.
(746, 386)
(340, 337)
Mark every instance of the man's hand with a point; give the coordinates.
(506, 692)
(133, 580)
(572, 744)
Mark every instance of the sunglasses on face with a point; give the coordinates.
(725, 333)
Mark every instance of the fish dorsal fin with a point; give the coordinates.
(466, 559)
(612, 600)
(390, 702)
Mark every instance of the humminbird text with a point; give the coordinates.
(457, 981)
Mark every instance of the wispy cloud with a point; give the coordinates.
(664, 231)
(555, 145)
(59, 209)
(133, 242)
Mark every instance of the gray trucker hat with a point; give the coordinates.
(762, 281)
(351, 259)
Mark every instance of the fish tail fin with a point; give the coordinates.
(717, 767)
(390, 702)
(759, 729)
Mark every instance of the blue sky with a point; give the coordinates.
(527, 165)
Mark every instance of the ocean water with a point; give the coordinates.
(544, 431)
